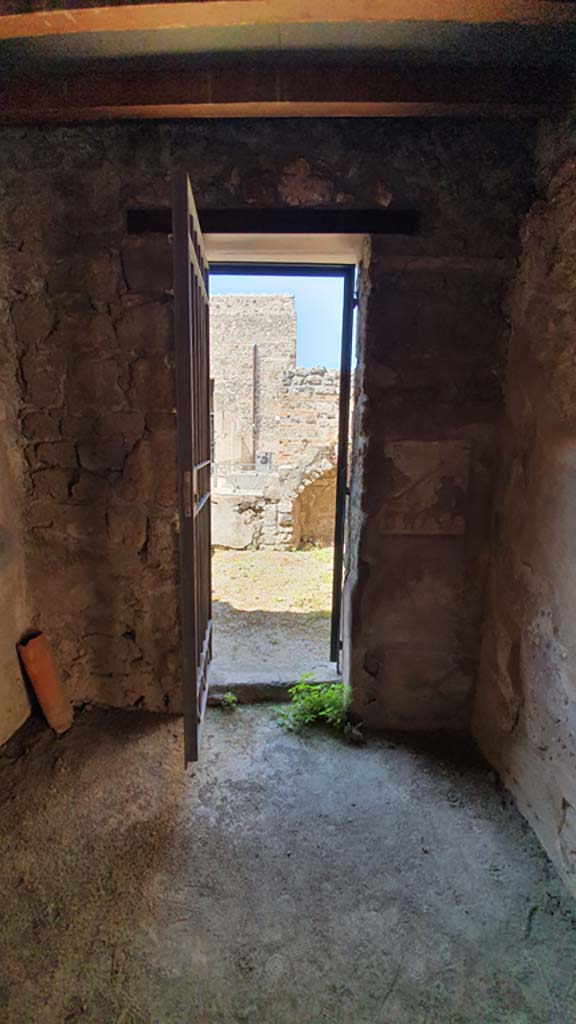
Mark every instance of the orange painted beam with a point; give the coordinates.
(288, 92)
(23, 20)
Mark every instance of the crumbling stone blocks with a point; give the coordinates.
(150, 472)
(80, 428)
(41, 426)
(104, 456)
(147, 263)
(51, 483)
(88, 333)
(146, 327)
(93, 385)
(89, 487)
(44, 376)
(127, 526)
(152, 383)
(33, 318)
(80, 285)
(127, 425)
(163, 543)
(55, 453)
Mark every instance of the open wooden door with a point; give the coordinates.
(191, 317)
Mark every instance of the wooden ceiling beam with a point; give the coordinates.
(320, 91)
(95, 16)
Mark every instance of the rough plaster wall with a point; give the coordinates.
(63, 196)
(252, 344)
(14, 706)
(433, 334)
(525, 714)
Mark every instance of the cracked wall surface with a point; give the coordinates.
(91, 316)
(525, 713)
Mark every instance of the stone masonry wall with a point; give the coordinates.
(308, 414)
(252, 343)
(313, 512)
(525, 714)
(98, 418)
(14, 706)
(97, 400)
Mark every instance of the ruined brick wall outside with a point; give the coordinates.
(264, 403)
(100, 535)
(291, 508)
(308, 414)
(252, 343)
(313, 512)
(525, 714)
(308, 448)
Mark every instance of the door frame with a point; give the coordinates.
(346, 271)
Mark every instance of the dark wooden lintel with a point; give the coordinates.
(283, 221)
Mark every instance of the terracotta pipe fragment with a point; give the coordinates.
(40, 666)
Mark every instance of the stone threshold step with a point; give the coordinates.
(255, 687)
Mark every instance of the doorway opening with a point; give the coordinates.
(281, 345)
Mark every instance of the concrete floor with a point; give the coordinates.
(288, 880)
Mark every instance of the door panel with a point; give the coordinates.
(191, 321)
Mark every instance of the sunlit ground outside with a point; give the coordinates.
(272, 609)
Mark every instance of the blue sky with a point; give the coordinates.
(318, 310)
